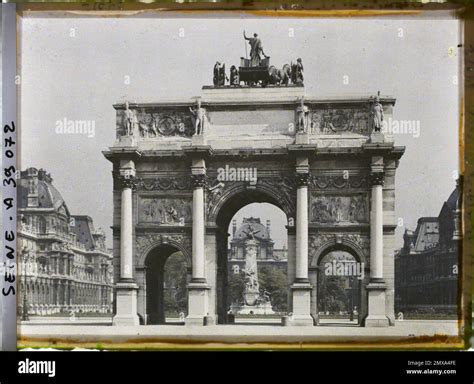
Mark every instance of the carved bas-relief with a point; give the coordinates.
(339, 209)
(319, 244)
(153, 122)
(339, 182)
(165, 211)
(164, 184)
(144, 243)
(282, 188)
(340, 121)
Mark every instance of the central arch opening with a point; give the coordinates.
(166, 280)
(252, 279)
(340, 276)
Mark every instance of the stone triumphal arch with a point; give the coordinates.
(323, 162)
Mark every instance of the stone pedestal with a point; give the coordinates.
(126, 141)
(198, 140)
(301, 138)
(301, 305)
(377, 137)
(126, 302)
(258, 309)
(198, 303)
(376, 300)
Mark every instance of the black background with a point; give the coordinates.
(246, 367)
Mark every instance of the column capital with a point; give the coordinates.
(127, 181)
(198, 180)
(377, 178)
(302, 179)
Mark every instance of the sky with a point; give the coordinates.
(75, 68)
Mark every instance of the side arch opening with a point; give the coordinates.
(340, 274)
(167, 274)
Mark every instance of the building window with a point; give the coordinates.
(42, 225)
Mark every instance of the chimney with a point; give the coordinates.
(234, 227)
(32, 180)
(268, 228)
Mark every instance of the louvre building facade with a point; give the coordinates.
(267, 255)
(64, 265)
(426, 268)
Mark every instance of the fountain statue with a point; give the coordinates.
(256, 302)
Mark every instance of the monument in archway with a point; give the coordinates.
(252, 286)
(326, 162)
(255, 300)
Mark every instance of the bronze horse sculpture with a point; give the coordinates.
(279, 76)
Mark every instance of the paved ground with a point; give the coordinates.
(403, 330)
(62, 320)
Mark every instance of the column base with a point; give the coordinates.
(298, 321)
(376, 305)
(301, 292)
(198, 303)
(376, 322)
(126, 300)
(123, 320)
(210, 320)
(199, 320)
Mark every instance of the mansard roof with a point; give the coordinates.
(84, 228)
(427, 233)
(48, 195)
(453, 199)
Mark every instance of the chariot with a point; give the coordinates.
(251, 75)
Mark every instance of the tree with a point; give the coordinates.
(175, 296)
(274, 280)
(332, 295)
(235, 288)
